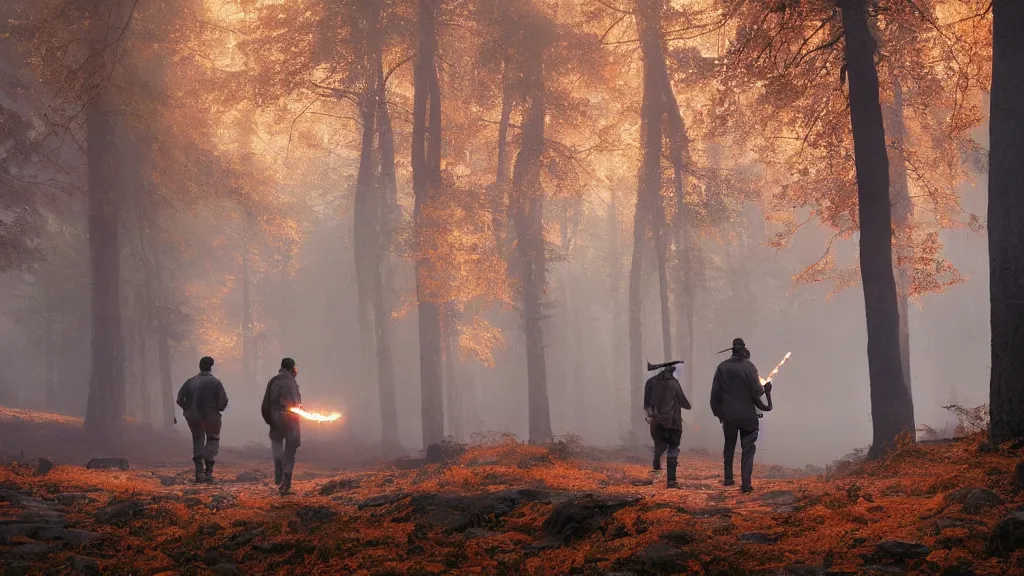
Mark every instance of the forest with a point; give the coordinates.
(472, 223)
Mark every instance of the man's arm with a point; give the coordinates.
(222, 396)
(716, 394)
(183, 399)
(757, 390)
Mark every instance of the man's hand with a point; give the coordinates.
(768, 387)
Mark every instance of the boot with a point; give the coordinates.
(200, 477)
(208, 476)
(657, 463)
(286, 485)
(278, 471)
(671, 477)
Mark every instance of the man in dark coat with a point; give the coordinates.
(663, 400)
(281, 396)
(202, 399)
(735, 399)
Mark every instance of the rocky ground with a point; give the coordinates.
(952, 508)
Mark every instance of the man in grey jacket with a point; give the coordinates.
(281, 396)
(735, 398)
(202, 399)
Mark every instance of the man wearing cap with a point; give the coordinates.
(663, 399)
(735, 398)
(202, 398)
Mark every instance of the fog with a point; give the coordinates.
(237, 226)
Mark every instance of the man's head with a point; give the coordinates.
(739, 348)
(205, 364)
(288, 365)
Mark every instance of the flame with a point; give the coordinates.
(776, 369)
(314, 416)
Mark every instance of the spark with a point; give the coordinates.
(776, 369)
(315, 416)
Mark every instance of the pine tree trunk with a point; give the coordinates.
(500, 199)
(426, 166)
(618, 340)
(1005, 214)
(892, 410)
(528, 201)
(106, 405)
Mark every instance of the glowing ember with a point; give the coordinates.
(314, 416)
(776, 369)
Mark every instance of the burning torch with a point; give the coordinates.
(772, 375)
(314, 416)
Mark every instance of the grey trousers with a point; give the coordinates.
(665, 439)
(748, 439)
(284, 442)
(205, 436)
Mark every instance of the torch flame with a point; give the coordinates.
(776, 369)
(314, 416)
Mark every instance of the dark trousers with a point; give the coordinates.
(748, 438)
(205, 431)
(665, 439)
(285, 438)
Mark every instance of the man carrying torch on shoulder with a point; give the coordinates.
(735, 399)
(281, 396)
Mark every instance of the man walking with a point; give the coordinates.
(735, 398)
(202, 399)
(663, 400)
(281, 396)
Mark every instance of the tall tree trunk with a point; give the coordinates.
(163, 349)
(892, 410)
(1005, 213)
(615, 355)
(106, 405)
(426, 166)
(529, 222)
(453, 387)
(902, 214)
(49, 355)
(648, 16)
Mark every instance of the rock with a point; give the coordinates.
(898, 551)
(212, 557)
(780, 498)
(980, 500)
(949, 542)
(678, 537)
(643, 482)
(28, 551)
(757, 538)
(120, 514)
(225, 569)
(660, 558)
(315, 515)
(959, 496)
(242, 538)
(209, 529)
(985, 448)
(17, 569)
(44, 466)
(1007, 536)
(382, 500)
(70, 498)
(577, 518)
(84, 565)
(338, 485)
(460, 513)
(250, 476)
(107, 464)
(712, 513)
(538, 547)
(1018, 476)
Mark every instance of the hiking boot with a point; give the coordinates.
(278, 471)
(728, 482)
(747, 489)
(208, 475)
(286, 485)
(200, 476)
(671, 476)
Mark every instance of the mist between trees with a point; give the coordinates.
(463, 216)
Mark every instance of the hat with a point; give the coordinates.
(651, 367)
(737, 343)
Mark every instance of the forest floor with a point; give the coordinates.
(502, 507)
